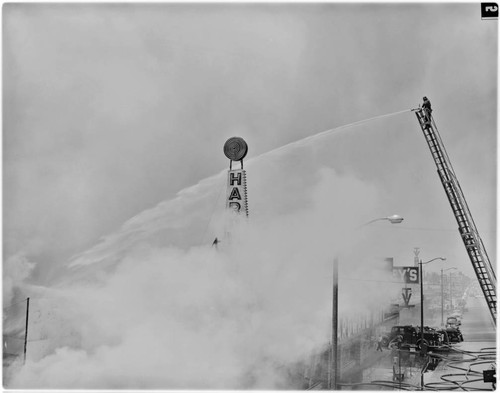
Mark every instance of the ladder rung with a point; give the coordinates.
(467, 230)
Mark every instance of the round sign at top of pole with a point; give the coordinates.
(235, 148)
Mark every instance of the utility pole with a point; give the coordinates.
(442, 292)
(399, 360)
(442, 300)
(334, 366)
(421, 308)
(26, 329)
(423, 344)
(421, 324)
(451, 296)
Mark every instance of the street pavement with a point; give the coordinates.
(461, 367)
(464, 364)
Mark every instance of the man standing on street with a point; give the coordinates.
(379, 344)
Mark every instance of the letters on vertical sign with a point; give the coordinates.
(236, 194)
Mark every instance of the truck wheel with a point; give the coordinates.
(419, 342)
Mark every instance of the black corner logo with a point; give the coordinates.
(489, 11)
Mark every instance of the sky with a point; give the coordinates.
(114, 121)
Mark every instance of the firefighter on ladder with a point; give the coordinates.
(426, 106)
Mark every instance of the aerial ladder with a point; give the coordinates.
(466, 226)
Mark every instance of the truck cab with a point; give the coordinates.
(453, 321)
(409, 336)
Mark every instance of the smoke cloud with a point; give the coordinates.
(113, 109)
(153, 307)
(15, 270)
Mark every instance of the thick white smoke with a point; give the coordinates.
(139, 312)
(15, 270)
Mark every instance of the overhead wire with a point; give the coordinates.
(16, 303)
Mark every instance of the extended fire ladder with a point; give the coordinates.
(466, 227)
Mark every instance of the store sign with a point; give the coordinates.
(236, 198)
(406, 274)
(406, 296)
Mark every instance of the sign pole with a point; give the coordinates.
(26, 329)
(335, 322)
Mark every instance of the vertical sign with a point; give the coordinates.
(236, 198)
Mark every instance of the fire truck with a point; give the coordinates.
(408, 336)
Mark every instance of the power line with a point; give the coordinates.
(13, 304)
(428, 229)
(13, 337)
(24, 301)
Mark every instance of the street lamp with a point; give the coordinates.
(334, 367)
(394, 219)
(442, 293)
(422, 313)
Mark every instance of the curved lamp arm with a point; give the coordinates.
(394, 219)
